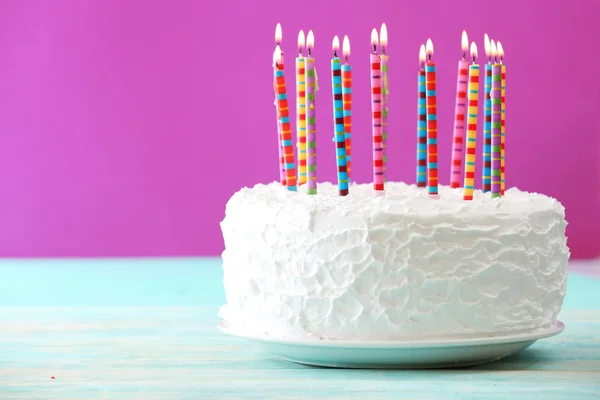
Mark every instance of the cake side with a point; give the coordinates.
(398, 266)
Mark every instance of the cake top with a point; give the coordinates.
(399, 198)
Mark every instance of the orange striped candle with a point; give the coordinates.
(473, 103)
(301, 110)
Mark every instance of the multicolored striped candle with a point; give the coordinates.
(284, 118)
(301, 111)
(279, 136)
(385, 90)
(311, 120)
(496, 95)
(473, 103)
(338, 119)
(421, 123)
(487, 124)
(459, 115)
(432, 148)
(347, 98)
(503, 119)
(378, 174)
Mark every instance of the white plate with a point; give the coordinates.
(394, 354)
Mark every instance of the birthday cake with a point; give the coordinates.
(393, 267)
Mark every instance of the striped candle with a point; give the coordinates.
(486, 175)
(311, 120)
(473, 103)
(487, 131)
(421, 124)
(278, 53)
(338, 119)
(502, 120)
(284, 119)
(378, 171)
(385, 90)
(279, 143)
(432, 148)
(502, 129)
(496, 128)
(459, 116)
(384, 110)
(347, 99)
(301, 111)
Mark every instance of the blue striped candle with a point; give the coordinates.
(338, 121)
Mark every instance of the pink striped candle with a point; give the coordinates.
(496, 123)
(459, 116)
(378, 171)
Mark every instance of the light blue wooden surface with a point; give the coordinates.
(146, 329)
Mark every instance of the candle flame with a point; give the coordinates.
(494, 51)
(486, 45)
(278, 33)
(422, 54)
(335, 46)
(301, 41)
(473, 51)
(310, 40)
(277, 55)
(429, 47)
(500, 50)
(383, 36)
(346, 47)
(374, 40)
(464, 42)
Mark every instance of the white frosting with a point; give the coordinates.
(398, 266)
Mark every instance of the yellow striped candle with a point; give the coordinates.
(472, 106)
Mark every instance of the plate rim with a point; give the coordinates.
(558, 328)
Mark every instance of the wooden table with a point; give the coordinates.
(146, 329)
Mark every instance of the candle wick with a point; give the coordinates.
(335, 53)
(429, 57)
(375, 48)
(309, 51)
(473, 59)
(300, 52)
(346, 58)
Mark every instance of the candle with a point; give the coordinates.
(487, 125)
(496, 122)
(279, 137)
(338, 119)
(459, 115)
(432, 151)
(301, 111)
(503, 120)
(473, 103)
(378, 175)
(385, 90)
(421, 124)
(284, 120)
(347, 97)
(311, 120)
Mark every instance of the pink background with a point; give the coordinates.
(126, 125)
